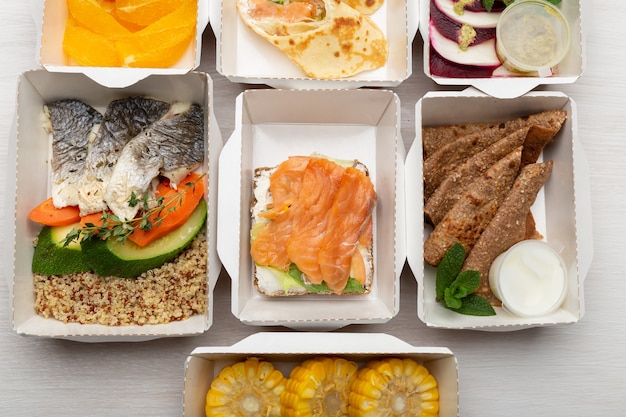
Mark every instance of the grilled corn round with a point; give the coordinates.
(394, 387)
(319, 387)
(250, 388)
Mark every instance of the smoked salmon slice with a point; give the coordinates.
(320, 213)
(310, 216)
(348, 217)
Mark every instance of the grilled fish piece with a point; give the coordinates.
(172, 147)
(123, 120)
(73, 125)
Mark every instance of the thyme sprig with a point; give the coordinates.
(153, 211)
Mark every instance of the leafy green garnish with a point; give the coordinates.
(154, 210)
(488, 4)
(352, 286)
(455, 288)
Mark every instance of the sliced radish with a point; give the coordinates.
(452, 29)
(482, 54)
(476, 19)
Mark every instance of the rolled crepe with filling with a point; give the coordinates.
(508, 225)
(366, 7)
(327, 39)
(469, 216)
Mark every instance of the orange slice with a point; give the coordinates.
(90, 14)
(162, 43)
(144, 12)
(89, 48)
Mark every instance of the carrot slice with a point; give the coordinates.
(48, 215)
(175, 211)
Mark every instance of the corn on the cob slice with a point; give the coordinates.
(394, 387)
(250, 388)
(319, 387)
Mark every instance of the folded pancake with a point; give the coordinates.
(435, 137)
(455, 184)
(367, 7)
(508, 226)
(537, 139)
(312, 227)
(327, 39)
(470, 215)
(445, 160)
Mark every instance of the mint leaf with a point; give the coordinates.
(475, 305)
(449, 268)
(450, 300)
(465, 283)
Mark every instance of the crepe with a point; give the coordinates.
(455, 184)
(435, 137)
(447, 159)
(509, 225)
(469, 216)
(327, 39)
(366, 7)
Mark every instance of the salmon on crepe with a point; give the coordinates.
(326, 39)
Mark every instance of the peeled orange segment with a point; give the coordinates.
(144, 12)
(89, 48)
(132, 55)
(90, 14)
(162, 43)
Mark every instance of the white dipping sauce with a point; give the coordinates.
(530, 279)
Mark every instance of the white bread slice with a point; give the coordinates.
(274, 282)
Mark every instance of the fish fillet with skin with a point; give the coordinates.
(172, 147)
(73, 125)
(123, 120)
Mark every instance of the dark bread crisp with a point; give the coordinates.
(509, 225)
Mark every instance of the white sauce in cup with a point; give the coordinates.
(530, 279)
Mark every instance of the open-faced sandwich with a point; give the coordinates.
(312, 227)
(327, 39)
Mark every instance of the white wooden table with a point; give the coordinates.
(575, 370)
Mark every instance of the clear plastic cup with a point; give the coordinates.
(530, 279)
(532, 37)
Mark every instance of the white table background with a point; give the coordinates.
(574, 370)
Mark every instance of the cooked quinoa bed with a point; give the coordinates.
(172, 292)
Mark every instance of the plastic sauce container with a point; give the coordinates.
(533, 37)
(530, 279)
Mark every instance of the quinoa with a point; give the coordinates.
(175, 291)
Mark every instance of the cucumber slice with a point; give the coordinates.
(129, 260)
(52, 258)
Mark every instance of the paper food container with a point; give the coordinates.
(244, 56)
(569, 70)
(32, 186)
(272, 125)
(285, 350)
(50, 17)
(562, 210)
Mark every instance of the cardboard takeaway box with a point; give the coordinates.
(570, 69)
(50, 17)
(31, 146)
(285, 350)
(562, 210)
(244, 56)
(272, 125)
